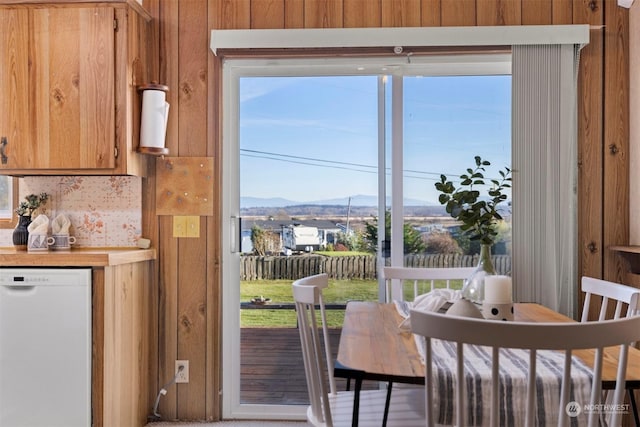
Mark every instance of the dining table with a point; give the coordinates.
(374, 347)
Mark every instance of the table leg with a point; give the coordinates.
(356, 402)
(386, 404)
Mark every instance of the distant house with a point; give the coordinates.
(327, 232)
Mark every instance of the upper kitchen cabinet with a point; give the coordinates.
(68, 78)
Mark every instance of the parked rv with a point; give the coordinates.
(300, 238)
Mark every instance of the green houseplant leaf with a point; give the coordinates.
(478, 216)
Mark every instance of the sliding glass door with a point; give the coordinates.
(320, 157)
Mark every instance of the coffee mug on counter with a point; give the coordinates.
(39, 242)
(62, 242)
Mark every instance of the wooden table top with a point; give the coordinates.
(372, 343)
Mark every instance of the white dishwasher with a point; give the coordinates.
(45, 347)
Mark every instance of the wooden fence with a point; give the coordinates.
(349, 267)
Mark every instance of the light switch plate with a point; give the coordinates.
(186, 226)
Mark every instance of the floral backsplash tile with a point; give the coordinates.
(105, 211)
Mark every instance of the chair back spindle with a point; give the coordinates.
(396, 277)
(536, 338)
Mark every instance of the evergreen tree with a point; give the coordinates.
(413, 243)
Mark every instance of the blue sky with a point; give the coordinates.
(315, 138)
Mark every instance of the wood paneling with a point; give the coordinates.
(294, 13)
(323, 14)
(358, 13)
(231, 13)
(168, 309)
(562, 12)
(498, 12)
(537, 12)
(430, 12)
(616, 138)
(267, 13)
(189, 269)
(192, 97)
(590, 125)
(401, 13)
(457, 12)
(169, 60)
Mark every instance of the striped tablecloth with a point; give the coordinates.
(513, 382)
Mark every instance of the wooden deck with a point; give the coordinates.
(271, 370)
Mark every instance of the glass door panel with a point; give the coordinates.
(448, 120)
(308, 162)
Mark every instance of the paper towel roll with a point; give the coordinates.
(155, 114)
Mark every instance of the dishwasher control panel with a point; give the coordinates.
(44, 276)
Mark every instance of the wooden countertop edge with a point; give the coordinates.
(95, 257)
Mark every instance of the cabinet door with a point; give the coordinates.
(57, 99)
(73, 75)
(14, 87)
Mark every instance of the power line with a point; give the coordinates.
(309, 164)
(332, 163)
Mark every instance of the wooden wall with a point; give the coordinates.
(189, 269)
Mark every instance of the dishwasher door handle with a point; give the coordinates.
(19, 288)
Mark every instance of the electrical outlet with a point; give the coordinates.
(183, 376)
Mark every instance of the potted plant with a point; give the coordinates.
(479, 216)
(25, 211)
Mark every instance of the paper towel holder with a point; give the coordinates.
(153, 151)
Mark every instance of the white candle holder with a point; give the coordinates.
(497, 311)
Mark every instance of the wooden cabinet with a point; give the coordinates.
(123, 387)
(124, 328)
(68, 77)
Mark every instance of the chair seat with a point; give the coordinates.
(406, 408)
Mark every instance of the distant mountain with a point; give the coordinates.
(359, 200)
(258, 202)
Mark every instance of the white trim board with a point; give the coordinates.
(506, 35)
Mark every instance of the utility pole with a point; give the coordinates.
(348, 215)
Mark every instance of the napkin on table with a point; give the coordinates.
(431, 301)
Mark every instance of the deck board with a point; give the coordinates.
(271, 367)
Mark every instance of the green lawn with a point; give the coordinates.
(339, 291)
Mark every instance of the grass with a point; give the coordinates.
(339, 291)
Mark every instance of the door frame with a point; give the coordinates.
(232, 70)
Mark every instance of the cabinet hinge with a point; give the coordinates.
(115, 25)
(115, 152)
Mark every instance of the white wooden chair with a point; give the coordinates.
(321, 281)
(627, 304)
(396, 278)
(331, 408)
(626, 298)
(532, 337)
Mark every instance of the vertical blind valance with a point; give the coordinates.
(303, 38)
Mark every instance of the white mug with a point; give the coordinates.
(62, 241)
(39, 242)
